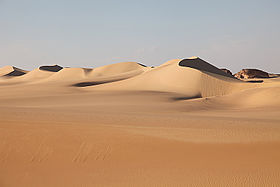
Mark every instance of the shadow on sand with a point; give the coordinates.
(54, 68)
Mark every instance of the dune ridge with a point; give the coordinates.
(69, 74)
(117, 69)
(82, 77)
(35, 75)
(192, 78)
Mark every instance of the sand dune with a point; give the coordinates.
(81, 77)
(11, 71)
(190, 77)
(183, 123)
(69, 75)
(116, 69)
(6, 70)
(112, 73)
(35, 75)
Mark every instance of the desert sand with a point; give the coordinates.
(183, 123)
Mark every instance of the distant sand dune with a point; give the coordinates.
(69, 75)
(11, 71)
(35, 75)
(116, 69)
(112, 73)
(82, 77)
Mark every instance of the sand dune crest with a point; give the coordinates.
(116, 69)
(11, 71)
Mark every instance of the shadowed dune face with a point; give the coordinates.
(15, 73)
(94, 83)
(201, 65)
(255, 81)
(54, 68)
(142, 65)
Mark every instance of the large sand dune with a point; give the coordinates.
(183, 123)
(190, 77)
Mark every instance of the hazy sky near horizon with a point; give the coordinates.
(232, 34)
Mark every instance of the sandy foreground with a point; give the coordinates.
(183, 123)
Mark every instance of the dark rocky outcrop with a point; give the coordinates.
(251, 74)
(226, 71)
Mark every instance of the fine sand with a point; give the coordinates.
(183, 123)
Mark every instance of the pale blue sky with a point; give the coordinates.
(83, 33)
